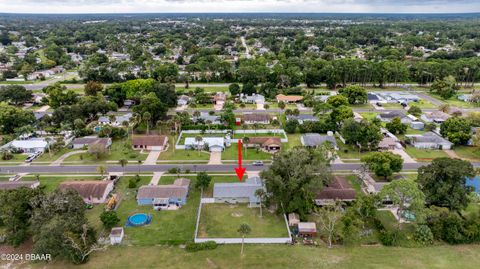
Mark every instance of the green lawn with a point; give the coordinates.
(201, 106)
(181, 154)
(425, 154)
(280, 256)
(51, 182)
(222, 220)
(168, 226)
(368, 115)
(467, 152)
(362, 106)
(423, 104)
(17, 158)
(231, 153)
(207, 89)
(348, 151)
(355, 182)
(453, 101)
(45, 157)
(120, 149)
(240, 136)
(166, 180)
(293, 141)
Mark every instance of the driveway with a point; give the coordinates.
(43, 109)
(452, 154)
(152, 157)
(59, 161)
(260, 106)
(406, 158)
(181, 108)
(215, 157)
(156, 178)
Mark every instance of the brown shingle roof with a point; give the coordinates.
(149, 140)
(10, 185)
(338, 189)
(258, 117)
(289, 98)
(87, 189)
(265, 141)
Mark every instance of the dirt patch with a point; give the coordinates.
(237, 215)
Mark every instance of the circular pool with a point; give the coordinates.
(138, 219)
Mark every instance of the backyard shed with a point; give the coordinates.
(293, 219)
(307, 229)
(116, 235)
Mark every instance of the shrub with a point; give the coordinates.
(7, 155)
(423, 235)
(174, 170)
(389, 238)
(132, 184)
(194, 247)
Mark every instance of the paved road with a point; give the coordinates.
(72, 169)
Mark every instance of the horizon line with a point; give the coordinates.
(241, 12)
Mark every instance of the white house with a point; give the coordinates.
(31, 145)
(215, 144)
(116, 235)
(429, 140)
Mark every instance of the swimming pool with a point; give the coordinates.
(475, 183)
(138, 219)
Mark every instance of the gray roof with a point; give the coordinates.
(431, 137)
(179, 189)
(392, 114)
(303, 117)
(313, 139)
(238, 190)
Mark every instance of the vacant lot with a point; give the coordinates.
(425, 155)
(222, 220)
(281, 256)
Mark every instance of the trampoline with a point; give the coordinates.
(139, 219)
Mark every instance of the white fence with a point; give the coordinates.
(257, 240)
(274, 132)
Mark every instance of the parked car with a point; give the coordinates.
(257, 163)
(32, 157)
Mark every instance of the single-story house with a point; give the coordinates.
(215, 144)
(259, 118)
(417, 125)
(252, 99)
(129, 103)
(30, 145)
(307, 229)
(337, 190)
(465, 97)
(120, 119)
(429, 140)
(183, 100)
(241, 192)
(389, 116)
(104, 120)
(289, 98)
(302, 118)
(11, 185)
(435, 117)
(116, 235)
(92, 191)
(372, 98)
(219, 98)
(387, 143)
(82, 142)
(207, 118)
(149, 142)
(170, 196)
(313, 140)
(265, 143)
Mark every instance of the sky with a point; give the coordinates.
(208, 6)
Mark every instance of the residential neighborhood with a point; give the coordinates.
(234, 140)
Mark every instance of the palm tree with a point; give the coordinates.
(101, 169)
(123, 163)
(147, 117)
(260, 193)
(196, 114)
(245, 141)
(198, 139)
(244, 230)
(139, 162)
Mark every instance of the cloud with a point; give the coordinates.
(161, 6)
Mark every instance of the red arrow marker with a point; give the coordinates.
(240, 170)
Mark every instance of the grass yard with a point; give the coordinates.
(362, 106)
(182, 154)
(280, 256)
(51, 182)
(222, 220)
(166, 180)
(453, 101)
(120, 149)
(355, 182)
(425, 155)
(17, 158)
(423, 104)
(45, 157)
(348, 151)
(231, 153)
(207, 89)
(168, 226)
(368, 115)
(467, 152)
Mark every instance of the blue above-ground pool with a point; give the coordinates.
(139, 219)
(475, 183)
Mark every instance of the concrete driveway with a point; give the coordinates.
(215, 158)
(406, 158)
(152, 157)
(59, 161)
